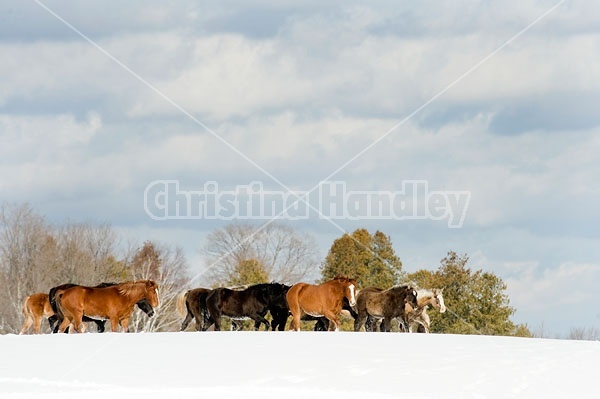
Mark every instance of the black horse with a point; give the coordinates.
(58, 317)
(253, 302)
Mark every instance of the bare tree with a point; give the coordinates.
(24, 237)
(287, 255)
(583, 333)
(167, 267)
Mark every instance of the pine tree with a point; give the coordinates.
(249, 271)
(476, 301)
(370, 259)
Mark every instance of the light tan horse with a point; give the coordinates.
(35, 308)
(321, 300)
(115, 303)
(419, 317)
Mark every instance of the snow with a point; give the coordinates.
(295, 365)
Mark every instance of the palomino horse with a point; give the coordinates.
(114, 303)
(57, 319)
(321, 300)
(392, 303)
(419, 317)
(35, 308)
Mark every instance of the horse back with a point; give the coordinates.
(99, 302)
(239, 303)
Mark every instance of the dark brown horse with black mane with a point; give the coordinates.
(251, 303)
(388, 304)
(56, 320)
(323, 300)
(115, 303)
(191, 304)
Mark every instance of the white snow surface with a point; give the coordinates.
(295, 365)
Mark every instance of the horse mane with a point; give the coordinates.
(343, 279)
(238, 287)
(125, 288)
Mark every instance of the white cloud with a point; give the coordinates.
(542, 290)
(83, 134)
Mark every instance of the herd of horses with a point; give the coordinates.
(68, 306)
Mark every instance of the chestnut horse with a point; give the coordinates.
(321, 300)
(392, 303)
(35, 308)
(56, 320)
(114, 303)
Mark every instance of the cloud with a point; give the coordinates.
(301, 89)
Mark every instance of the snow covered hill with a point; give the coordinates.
(295, 365)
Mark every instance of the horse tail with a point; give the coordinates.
(28, 316)
(181, 308)
(52, 299)
(25, 309)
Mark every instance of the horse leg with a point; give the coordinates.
(27, 325)
(360, 320)
(402, 322)
(237, 325)
(334, 321)
(322, 324)
(59, 320)
(217, 322)
(124, 324)
(37, 324)
(260, 319)
(207, 321)
(52, 320)
(187, 320)
(100, 325)
(114, 324)
(77, 325)
(64, 325)
(387, 324)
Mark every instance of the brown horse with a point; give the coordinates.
(388, 304)
(115, 303)
(321, 300)
(35, 308)
(192, 305)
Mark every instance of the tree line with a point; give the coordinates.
(36, 255)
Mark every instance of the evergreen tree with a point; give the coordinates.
(476, 301)
(249, 271)
(369, 258)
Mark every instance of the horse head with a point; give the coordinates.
(152, 293)
(351, 291)
(411, 297)
(439, 299)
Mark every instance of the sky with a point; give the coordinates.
(98, 100)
